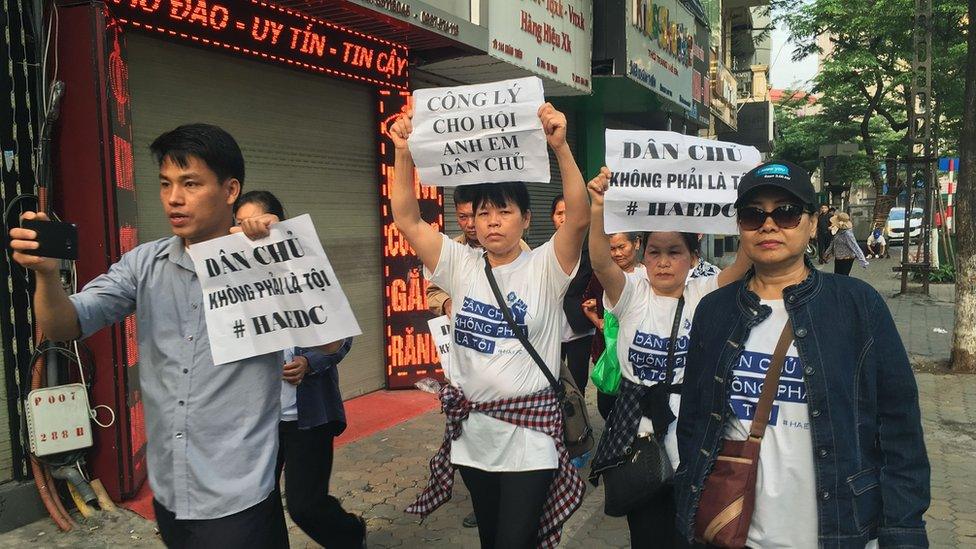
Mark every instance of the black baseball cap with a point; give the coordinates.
(780, 174)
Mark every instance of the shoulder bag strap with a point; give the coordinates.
(673, 342)
(771, 383)
(507, 313)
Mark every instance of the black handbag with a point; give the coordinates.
(646, 468)
(577, 431)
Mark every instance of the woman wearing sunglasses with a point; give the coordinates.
(841, 461)
(654, 307)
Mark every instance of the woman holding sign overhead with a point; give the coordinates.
(654, 309)
(504, 423)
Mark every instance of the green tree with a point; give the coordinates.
(799, 137)
(863, 82)
(964, 335)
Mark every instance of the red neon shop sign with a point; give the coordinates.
(410, 351)
(272, 33)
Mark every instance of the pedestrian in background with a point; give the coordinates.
(823, 232)
(312, 416)
(577, 338)
(703, 267)
(877, 246)
(504, 430)
(844, 247)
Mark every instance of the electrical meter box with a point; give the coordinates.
(58, 419)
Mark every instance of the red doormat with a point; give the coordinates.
(366, 416)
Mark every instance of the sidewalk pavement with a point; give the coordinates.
(378, 476)
(924, 322)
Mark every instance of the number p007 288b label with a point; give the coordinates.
(58, 419)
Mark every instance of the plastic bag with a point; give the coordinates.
(428, 385)
(606, 371)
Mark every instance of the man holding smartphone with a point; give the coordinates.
(212, 431)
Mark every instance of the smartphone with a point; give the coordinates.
(56, 239)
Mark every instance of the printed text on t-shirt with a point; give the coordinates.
(477, 325)
(747, 383)
(648, 354)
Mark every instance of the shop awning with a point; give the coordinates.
(430, 33)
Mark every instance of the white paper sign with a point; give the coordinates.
(666, 181)
(262, 296)
(440, 331)
(485, 133)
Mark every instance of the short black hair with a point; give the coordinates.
(268, 202)
(499, 194)
(463, 195)
(207, 142)
(555, 201)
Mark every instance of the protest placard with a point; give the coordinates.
(440, 331)
(666, 181)
(262, 296)
(485, 133)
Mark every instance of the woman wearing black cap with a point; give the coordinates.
(838, 458)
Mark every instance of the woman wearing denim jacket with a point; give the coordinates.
(842, 462)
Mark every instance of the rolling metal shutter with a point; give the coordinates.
(311, 140)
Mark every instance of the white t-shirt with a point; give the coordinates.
(786, 493)
(786, 499)
(645, 332)
(487, 360)
(289, 392)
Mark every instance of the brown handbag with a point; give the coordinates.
(729, 496)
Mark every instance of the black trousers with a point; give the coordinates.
(604, 403)
(508, 506)
(823, 242)
(843, 266)
(652, 526)
(260, 527)
(576, 353)
(306, 456)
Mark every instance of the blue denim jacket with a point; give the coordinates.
(871, 468)
(319, 399)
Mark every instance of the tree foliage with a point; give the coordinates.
(864, 81)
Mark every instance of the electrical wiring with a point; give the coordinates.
(46, 97)
(16, 199)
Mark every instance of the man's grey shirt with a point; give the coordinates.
(212, 431)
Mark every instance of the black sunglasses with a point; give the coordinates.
(787, 216)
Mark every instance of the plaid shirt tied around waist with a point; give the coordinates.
(621, 429)
(539, 411)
